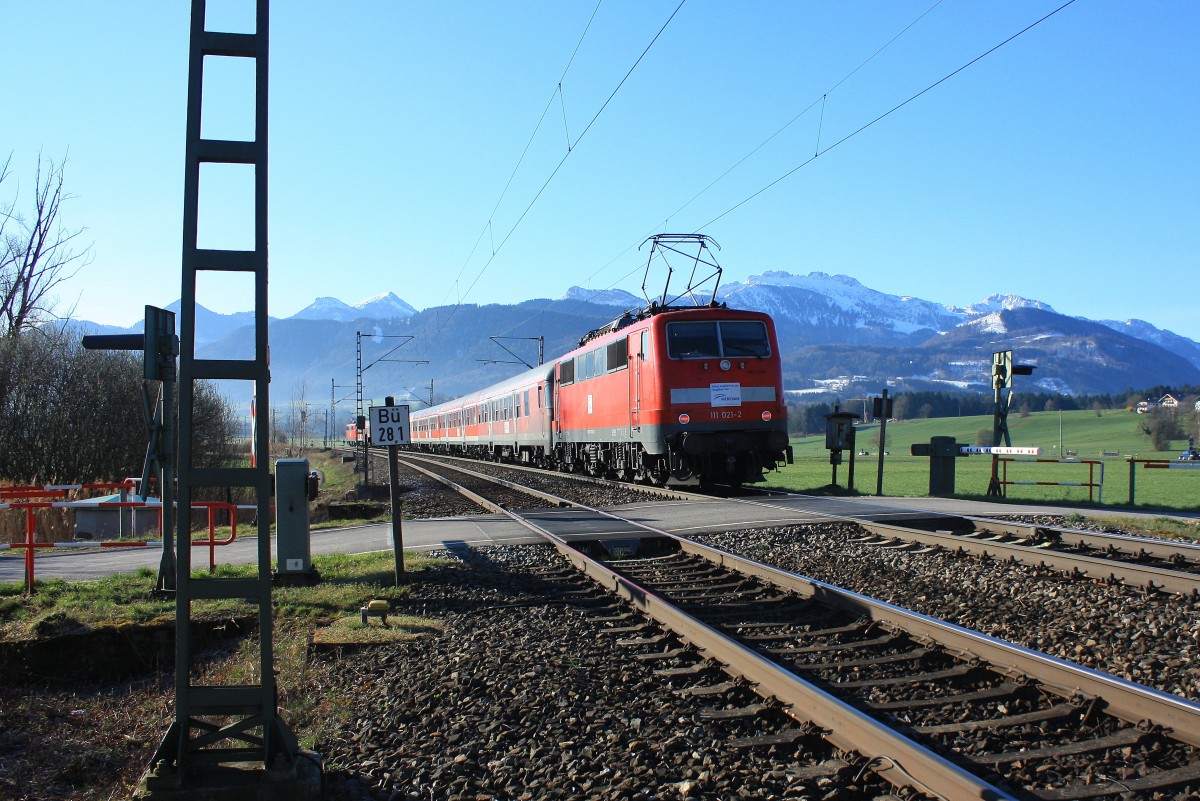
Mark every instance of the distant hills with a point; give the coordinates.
(834, 334)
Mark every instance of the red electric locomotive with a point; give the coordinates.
(683, 393)
(690, 393)
(355, 434)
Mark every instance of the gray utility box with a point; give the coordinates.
(295, 486)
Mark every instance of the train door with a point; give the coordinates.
(635, 386)
(545, 416)
(553, 395)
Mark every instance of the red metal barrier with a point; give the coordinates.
(30, 507)
(212, 542)
(1091, 483)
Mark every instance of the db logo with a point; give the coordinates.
(684, 419)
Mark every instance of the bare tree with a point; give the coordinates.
(36, 252)
(297, 419)
(72, 414)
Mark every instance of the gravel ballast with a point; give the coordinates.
(1151, 639)
(524, 696)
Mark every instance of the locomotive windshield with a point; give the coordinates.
(715, 340)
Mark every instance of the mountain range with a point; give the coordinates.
(833, 332)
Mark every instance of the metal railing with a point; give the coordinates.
(29, 507)
(1156, 464)
(1095, 488)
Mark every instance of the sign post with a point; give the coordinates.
(389, 426)
(881, 409)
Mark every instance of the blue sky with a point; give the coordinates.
(1062, 167)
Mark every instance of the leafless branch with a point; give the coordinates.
(37, 253)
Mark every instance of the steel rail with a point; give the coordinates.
(408, 459)
(1154, 578)
(1100, 540)
(673, 494)
(848, 728)
(894, 757)
(1095, 567)
(1124, 699)
(479, 499)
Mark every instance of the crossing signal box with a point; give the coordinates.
(881, 408)
(160, 346)
(839, 434)
(1003, 369)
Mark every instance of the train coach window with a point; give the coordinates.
(566, 372)
(693, 341)
(745, 338)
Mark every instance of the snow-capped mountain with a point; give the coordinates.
(999, 303)
(839, 304)
(605, 297)
(1140, 329)
(829, 327)
(380, 307)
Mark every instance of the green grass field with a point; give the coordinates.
(1082, 432)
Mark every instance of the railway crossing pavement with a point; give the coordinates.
(679, 517)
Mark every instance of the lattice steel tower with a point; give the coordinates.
(224, 723)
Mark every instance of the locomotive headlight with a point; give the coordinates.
(725, 365)
(685, 418)
(766, 416)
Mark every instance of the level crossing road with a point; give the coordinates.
(684, 517)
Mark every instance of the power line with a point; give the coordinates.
(520, 160)
(808, 108)
(888, 113)
(819, 152)
(746, 157)
(570, 150)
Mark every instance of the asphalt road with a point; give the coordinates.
(677, 517)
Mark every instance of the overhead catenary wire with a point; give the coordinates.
(887, 114)
(818, 152)
(795, 118)
(745, 158)
(487, 226)
(570, 149)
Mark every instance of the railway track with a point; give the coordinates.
(924, 704)
(1152, 564)
(1156, 565)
